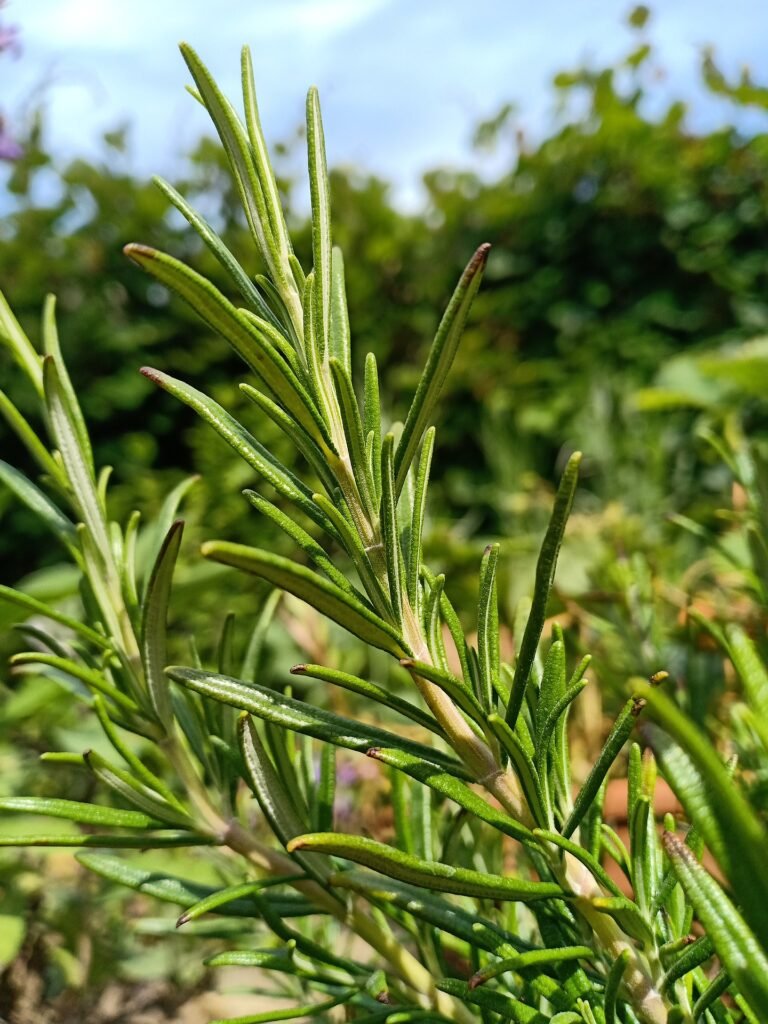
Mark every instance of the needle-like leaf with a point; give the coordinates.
(617, 737)
(154, 648)
(320, 194)
(299, 717)
(249, 337)
(439, 362)
(428, 874)
(86, 814)
(488, 626)
(329, 599)
(545, 574)
(735, 943)
(254, 453)
(38, 503)
(371, 691)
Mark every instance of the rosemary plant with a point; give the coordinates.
(495, 901)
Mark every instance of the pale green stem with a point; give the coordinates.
(645, 997)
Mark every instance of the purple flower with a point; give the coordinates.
(9, 39)
(9, 147)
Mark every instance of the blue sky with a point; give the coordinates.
(402, 81)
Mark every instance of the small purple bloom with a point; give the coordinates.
(9, 39)
(9, 147)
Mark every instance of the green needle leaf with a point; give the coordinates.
(86, 814)
(307, 543)
(371, 691)
(533, 958)
(439, 362)
(233, 894)
(94, 680)
(512, 1010)
(427, 873)
(269, 959)
(135, 792)
(38, 503)
(321, 594)
(525, 770)
(297, 716)
(718, 809)
(279, 808)
(29, 439)
(145, 841)
(735, 943)
(21, 347)
(320, 195)
(413, 568)
(35, 607)
(79, 472)
(261, 159)
(545, 574)
(432, 910)
(310, 1010)
(447, 785)
(52, 349)
(179, 891)
(488, 626)
(304, 443)
(372, 418)
(248, 336)
(389, 528)
(243, 161)
(254, 453)
(339, 342)
(245, 286)
(750, 667)
(618, 736)
(153, 625)
(615, 975)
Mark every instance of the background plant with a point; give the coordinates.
(541, 930)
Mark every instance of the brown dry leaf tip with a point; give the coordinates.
(138, 249)
(182, 920)
(298, 670)
(638, 704)
(407, 662)
(384, 997)
(658, 677)
(373, 752)
(480, 257)
(150, 373)
(475, 981)
(674, 844)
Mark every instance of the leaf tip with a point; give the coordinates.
(298, 670)
(139, 253)
(673, 844)
(638, 704)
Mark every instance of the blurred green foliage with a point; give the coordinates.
(620, 241)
